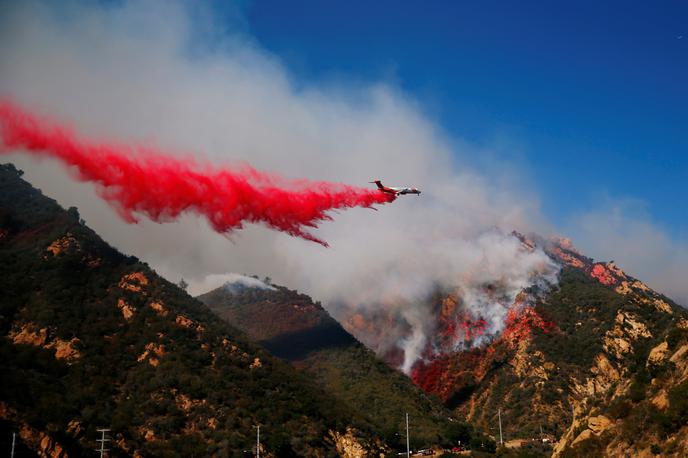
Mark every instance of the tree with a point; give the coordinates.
(74, 213)
(183, 284)
(457, 432)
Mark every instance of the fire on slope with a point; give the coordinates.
(451, 375)
(564, 359)
(484, 304)
(453, 372)
(449, 372)
(463, 339)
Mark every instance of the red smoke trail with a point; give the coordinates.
(135, 179)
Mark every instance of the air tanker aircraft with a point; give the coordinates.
(395, 191)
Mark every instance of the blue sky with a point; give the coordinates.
(590, 99)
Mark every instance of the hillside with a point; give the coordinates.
(93, 338)
(600, 360)
(290, 325)
(629, 388)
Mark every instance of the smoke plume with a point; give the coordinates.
(168, 71)
(135, 179)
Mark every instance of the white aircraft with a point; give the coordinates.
(395, 191)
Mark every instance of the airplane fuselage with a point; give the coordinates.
(395, 191)
(407, 191)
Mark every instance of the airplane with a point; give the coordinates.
(395, 191)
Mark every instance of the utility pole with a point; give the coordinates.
(408, 447)
(14, 437)
(499, 414)
(102, 441)
(258, 443)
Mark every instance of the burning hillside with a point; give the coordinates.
(493, 299)
(563, 356)
(454, 332)
(450, 372)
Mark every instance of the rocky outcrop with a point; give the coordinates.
(598, 424)
(126, 309)
(154, 353)
(661, 400)
(30, 334)
(41, 443)
(680, 360)
(567, 258)
(603, 274)
(349, 445)
(582, 429)
(595, 426)
(66, 349)
(159, 307)
(530, 364)
(605, 375)
(658, 354)
(63, 244)
(627, 329)
(134, 282)
(181, 320)
(185, 403)
(256, 364)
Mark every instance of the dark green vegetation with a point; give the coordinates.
(93, 338)
(288, 324)
(292, 326)
(588, 317)
(584, 311)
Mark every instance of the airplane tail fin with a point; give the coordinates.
(378, 183)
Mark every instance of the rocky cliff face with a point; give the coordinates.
(622, 404)
(348, 445)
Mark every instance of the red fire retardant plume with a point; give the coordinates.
(135, 179)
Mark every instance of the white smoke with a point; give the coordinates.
(486, 272)
(230, 281)
(509, 268)
(622, 230)
(140, 71)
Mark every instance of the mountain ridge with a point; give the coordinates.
(568, 355)
(294, 327)
(93, 338)
(586, 344)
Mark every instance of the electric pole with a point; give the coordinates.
(102, 441)
(258, 443)
(408, 447)
(499, 414)
(14, 437)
